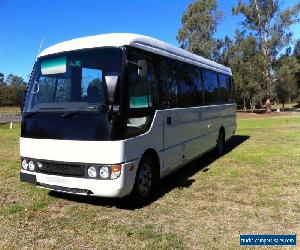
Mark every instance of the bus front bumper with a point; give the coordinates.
(119, 187)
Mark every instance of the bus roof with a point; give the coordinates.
(139, 41)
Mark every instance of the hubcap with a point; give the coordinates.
(144, 179)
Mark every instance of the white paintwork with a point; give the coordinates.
(105, 152)
(139, 41)
(193, 131)
(119, 187)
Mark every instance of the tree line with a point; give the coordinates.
(11, 89)
(265, 67)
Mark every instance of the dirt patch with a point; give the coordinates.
(7, 118)
(246, 115)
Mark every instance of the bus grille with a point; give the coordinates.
(62, 169)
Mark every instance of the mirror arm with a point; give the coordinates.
(135, 64)
(113, 112)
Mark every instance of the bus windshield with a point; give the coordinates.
(72, 80)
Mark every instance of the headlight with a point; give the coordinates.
(31, 166)
(92, 172)
(104, 172)
(24, 164)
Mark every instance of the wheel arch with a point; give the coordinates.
(222, 129)
(152, 154)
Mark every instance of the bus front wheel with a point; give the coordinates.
(220, 148)
(145, 181)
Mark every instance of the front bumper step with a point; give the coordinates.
(30, 178)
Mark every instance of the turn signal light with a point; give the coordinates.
(115, 171)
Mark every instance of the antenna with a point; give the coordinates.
(41, 45)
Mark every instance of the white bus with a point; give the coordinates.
(109, 115)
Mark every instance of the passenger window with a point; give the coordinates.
(231, 89)
(142, 96)
(186, 92)
(167, 82)
(198, 85)
(211, 88)
(223, 88)
(142, 90)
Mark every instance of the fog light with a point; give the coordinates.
(24, 164)
(104, 172)
(92, 172)
(115, 171)
(31, 166)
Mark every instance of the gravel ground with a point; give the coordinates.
(7, 118)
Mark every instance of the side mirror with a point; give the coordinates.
(142, 68)
(111, 86)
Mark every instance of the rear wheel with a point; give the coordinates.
(220, 148)
(145, 181)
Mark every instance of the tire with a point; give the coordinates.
(220, 147)
(146, 180)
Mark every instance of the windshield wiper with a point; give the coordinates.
(34, 113)
(71, 113)
(30, 114)
(75, 112)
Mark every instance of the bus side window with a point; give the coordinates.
(141, 94)
(142, 90)
(198, 85)
(186, 91)
(167, 82)
(231, 89)
(223, 85)
(211, 88)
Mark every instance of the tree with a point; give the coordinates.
(286, 69)
(10, 89)
(1, 78)
(199, 24)
(297, 50)
(15, 80)
(270, 25)
(297, 55)
(244, 58)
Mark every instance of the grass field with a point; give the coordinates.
(254, 188)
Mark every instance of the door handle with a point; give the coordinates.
(169, 120)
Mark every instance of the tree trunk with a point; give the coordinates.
(260, 102)
(252, 103)
(245, 109)
(268, 104)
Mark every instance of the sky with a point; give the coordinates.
(24, 23)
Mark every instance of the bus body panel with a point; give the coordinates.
(193, 131)
(119, 187)
(100, 152)
(136, 146)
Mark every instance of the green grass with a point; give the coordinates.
(254, 188)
